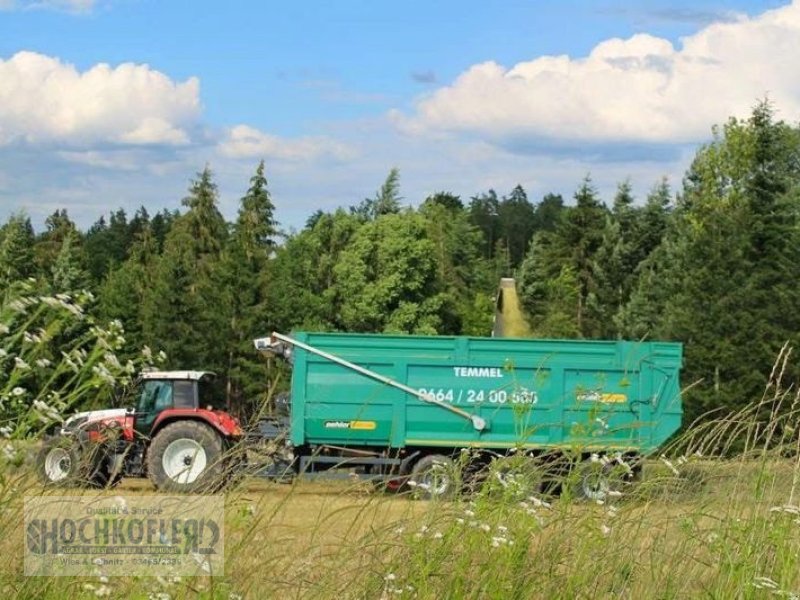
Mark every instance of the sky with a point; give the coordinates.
(108, 104)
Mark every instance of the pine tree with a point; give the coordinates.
(726, 272)
(183, 310)
(16, 250)
(68, 273)
(245, 272)
(517, 221)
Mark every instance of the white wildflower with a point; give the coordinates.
(4, 330)
(594, 457)
(202, 562)
(18, 391)
(17, 305)
(786, 508)
(6, 431)
(469, 513)
(74, 309)
(8, 452)
(498, 541)
(670, 466)
(538, 503)
(112, 360)
(765, 583)
(21, 364)
(438, 535)
(460, 521)
(485, 527)
(102, 591)
(43, 363)
(621, 462)
(70, 363)
(502, 528)
(30, 338)
(390, 577)
(605, 529)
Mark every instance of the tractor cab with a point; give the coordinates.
(165, 392)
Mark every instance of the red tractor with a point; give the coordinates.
(178, 436)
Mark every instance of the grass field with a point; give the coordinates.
(694, 527)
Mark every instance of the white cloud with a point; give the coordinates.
(43, 100)
(76, 6)
(640, 89)
(243, 141)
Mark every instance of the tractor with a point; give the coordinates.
(178, 435)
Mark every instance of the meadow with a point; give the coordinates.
(694, 527)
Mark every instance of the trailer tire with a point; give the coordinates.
(596, 481)
(434, 477)
(186, 456)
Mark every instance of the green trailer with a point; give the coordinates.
(388, 403)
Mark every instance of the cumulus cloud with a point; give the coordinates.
(244, 141)
(45, 100)
(641, 89)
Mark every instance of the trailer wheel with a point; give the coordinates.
(596, 481)
(185, 456)
(434, 477)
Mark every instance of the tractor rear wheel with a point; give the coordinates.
(186, 456)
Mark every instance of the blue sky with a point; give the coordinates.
(118, 103)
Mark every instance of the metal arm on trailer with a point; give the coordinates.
(266, 344)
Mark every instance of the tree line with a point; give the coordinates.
(712, 264)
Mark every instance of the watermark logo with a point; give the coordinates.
(124, 535)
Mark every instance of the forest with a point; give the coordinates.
(712, 263)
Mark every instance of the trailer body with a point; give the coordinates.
(593, 396)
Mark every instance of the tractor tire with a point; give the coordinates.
(186, 456)
(57, 463)
(434, 477)
(65, 462)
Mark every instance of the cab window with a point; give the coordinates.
(155, 396)
(184, 394)
(210, 394)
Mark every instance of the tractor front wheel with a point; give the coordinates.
(65, 462)
(186, 456)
